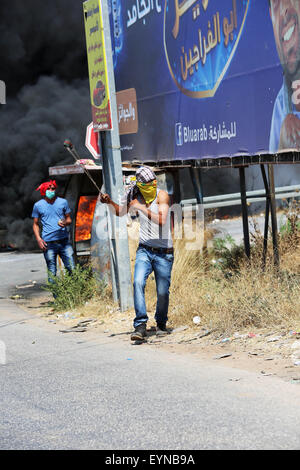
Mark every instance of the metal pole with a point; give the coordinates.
(196, 180)
(177, 197)
(113, 181)
(244, 210)
(273, 214)
(110, 224)
(176, 187)
(266, 229)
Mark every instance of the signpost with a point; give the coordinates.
(104, 112)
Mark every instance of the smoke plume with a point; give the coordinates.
(43, 57)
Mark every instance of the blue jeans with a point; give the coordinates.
(64, 249)
(146, 262)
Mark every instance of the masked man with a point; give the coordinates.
(285, 128)
(155, 250)
(54, 214)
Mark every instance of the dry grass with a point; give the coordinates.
(233, 293)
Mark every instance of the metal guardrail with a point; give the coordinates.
(234, 199)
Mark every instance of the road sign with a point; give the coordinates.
(92, 141)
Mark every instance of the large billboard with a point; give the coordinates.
(212, 78)
(96, 54)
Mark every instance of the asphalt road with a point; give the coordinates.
(18, 268)
(65, 391)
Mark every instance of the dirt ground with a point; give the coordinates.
(265, 352)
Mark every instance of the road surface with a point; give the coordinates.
(66, 391)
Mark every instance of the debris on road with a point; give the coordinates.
(88, 320)
(278, 349)
(251, 335)
(26, 286)
(73, 329)
(222, 356)
(198, 336)
(295, 356)
(275, 338)
(180, 328)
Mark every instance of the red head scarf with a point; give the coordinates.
(44, 186)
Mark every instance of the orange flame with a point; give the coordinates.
(84, 218)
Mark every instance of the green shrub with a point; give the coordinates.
(71, 290)
(227, 252)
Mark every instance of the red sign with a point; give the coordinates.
(91, 141)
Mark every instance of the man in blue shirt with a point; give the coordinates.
(285, 128)
(55, 215)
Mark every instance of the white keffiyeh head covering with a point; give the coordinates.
(143, 175)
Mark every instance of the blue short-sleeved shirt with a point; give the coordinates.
(49, 215)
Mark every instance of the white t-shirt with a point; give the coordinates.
(152, 234)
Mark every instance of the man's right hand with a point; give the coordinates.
(290, 133)
(42, 244)
(105, 199)
(117, 210)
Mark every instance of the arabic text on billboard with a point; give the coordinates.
(212, 78)
(99, 90)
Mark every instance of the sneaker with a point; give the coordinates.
(161, 329)
(139, 333)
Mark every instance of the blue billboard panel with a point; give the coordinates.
(212, 78)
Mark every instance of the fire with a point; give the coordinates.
(84, 218)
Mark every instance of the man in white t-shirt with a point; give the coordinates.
(285, 127)
(155, 250)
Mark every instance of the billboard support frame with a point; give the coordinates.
(273, 214)
(242, 164)
(267, 214)
(195, 174)
(244, 210)
(270, 208)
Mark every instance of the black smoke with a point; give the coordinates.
(44, 66)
